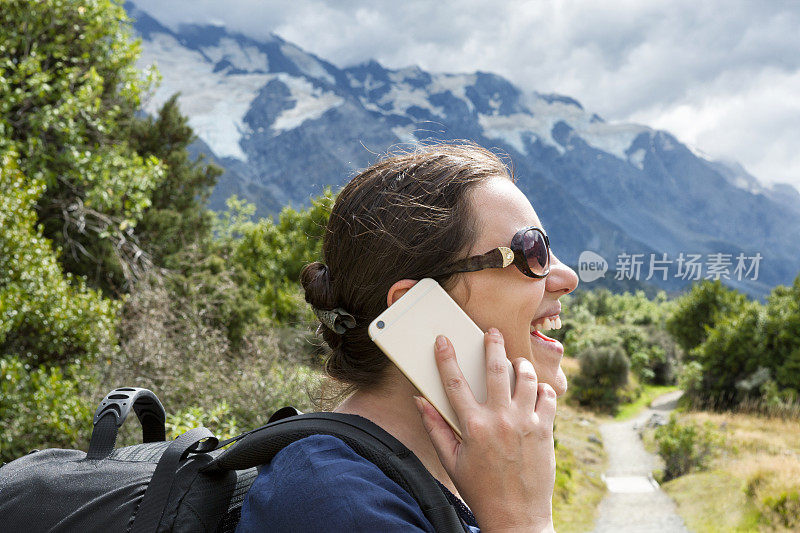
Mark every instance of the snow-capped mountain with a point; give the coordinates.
(285, 123)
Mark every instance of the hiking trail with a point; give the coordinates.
(634, 502)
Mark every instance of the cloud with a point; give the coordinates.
(721, 75)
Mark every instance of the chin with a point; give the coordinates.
(560, 383)
(553, 377)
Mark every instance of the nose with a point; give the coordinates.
(562, 279)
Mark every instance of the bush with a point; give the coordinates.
(777, 502)
(69, 89)
(272, 253)
(684, 447)
(652, 353)
(781, 510)
(731, 357)
(42, 408)
(699, 310)
(45, 314)
(218, 419)
(172, 345)
(609, 308)
(603, 372)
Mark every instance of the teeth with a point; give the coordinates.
(547, 324)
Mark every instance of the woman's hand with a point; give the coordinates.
(504, 466)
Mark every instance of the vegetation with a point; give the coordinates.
(684, 447)
(747, 353)
(750, 480)
(69, 91)
(621, 345)
(604, 370)
(580, 462)
(113, 272)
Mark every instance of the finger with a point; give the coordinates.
(442, 436)
(546, 404)
(498, 384)
(455, 385)
(526, 388)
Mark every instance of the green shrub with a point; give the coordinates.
(603, 372)
(652, 352)
(626, 308)
(782, 510)
(69, 90)
(684, 447)
(731, 357)
(218, 419)
(699, 310)
(42, 408)
(45, 314)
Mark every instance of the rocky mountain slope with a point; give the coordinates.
(285, 123)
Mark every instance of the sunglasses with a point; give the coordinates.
(529, 252)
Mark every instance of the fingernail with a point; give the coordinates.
(441, 342)
(418, 403)
(494, 331)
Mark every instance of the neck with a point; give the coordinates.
(392, 407)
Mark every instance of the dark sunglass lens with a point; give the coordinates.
(535, 251)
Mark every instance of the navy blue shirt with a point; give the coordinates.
(320, 484)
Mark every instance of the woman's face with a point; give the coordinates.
(506, 298)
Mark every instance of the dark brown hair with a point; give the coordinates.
(402, 218)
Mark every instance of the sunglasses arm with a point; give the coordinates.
(499, 257)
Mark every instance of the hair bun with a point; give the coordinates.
(316, 281)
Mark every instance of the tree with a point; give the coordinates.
(782, 334)
(730, 356)
(700, 309)
(177, 217)
(69, 89)
(273, 253)
(45, 314)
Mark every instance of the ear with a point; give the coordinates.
(398, 289)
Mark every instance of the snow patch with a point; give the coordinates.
(310, 103)
(215, 102)
(402, 96)
(614, 139)
(516, 129)
(248, 58)
(457, 85)
(306, 63)
(637, 158)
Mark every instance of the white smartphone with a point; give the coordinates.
(406, 333)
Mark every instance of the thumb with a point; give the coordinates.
(442, 436)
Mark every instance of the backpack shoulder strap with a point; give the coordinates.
(367, 439)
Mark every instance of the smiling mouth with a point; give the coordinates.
(546, 324)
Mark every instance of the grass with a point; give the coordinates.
(649, 393)
(579, 466)
(712, 501)
(751, 483)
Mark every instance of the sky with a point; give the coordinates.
(721, 75)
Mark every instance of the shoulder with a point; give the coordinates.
(320, 483)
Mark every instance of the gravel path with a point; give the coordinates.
(635, 503)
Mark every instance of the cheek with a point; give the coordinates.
(505, 300)
(510, 307)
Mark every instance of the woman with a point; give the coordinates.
(430, 213)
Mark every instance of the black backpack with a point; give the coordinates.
(189, 484)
